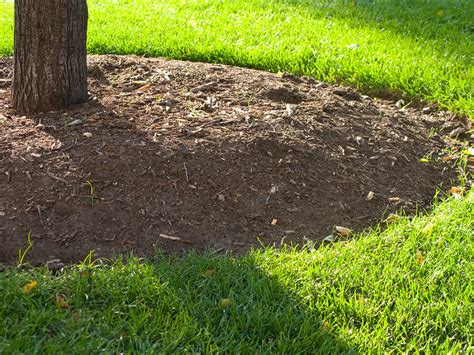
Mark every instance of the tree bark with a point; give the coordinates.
(50, 54)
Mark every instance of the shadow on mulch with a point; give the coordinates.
(178, 155)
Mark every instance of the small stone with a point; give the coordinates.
(54, 265)
(456, 132)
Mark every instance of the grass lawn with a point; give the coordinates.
(409, 288)
(405, 289)
(419, 48)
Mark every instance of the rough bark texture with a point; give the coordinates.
(50, 54)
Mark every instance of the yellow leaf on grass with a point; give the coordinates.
(29, 287)
(440, 13)
(61, 301)
(326, 325)
(457, 191)
(225, 302)
(420, 259)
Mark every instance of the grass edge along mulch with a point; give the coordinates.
(407, 288)
(420, 51)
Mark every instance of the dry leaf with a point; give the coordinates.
(29, 287)
(144, 88)
(457, 191)
(370, 196)
(394, 199)
(87, 134)
(419, 257)
(274, 222)
(139, 82)
(449, 157)
(61, 301)
(392, 218)
(326, 325)
(345, 232)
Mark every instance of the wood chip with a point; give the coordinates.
(169, 237)
(52, 176)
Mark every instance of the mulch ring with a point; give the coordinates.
(178, 155)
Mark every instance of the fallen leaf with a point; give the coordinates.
(87, 134)
(419, 257)
(209, 273)
(326, 325)
(394, 199)
(370, 196)
(424, 160)
(449, 157)
(392, 218)
(139, 82)
(345, 232)
(144, 88)
(468, 151)
(225, 302)
(61, 301)
(128, 242)
(29, 287)
(274, 222)
(457, 191)
(440, 13)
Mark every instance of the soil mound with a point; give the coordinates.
(177, 155)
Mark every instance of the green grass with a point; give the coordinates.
(406, 289)
(422, 49)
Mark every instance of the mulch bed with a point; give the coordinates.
(178, 155)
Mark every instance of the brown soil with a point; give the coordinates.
(177, 155)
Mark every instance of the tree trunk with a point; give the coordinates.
(50, 54)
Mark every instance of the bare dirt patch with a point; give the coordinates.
(178, 155)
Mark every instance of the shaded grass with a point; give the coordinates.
(408, 288)
(420, 49)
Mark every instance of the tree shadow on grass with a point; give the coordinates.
(203, 304)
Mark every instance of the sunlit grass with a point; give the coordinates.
(421, 49)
